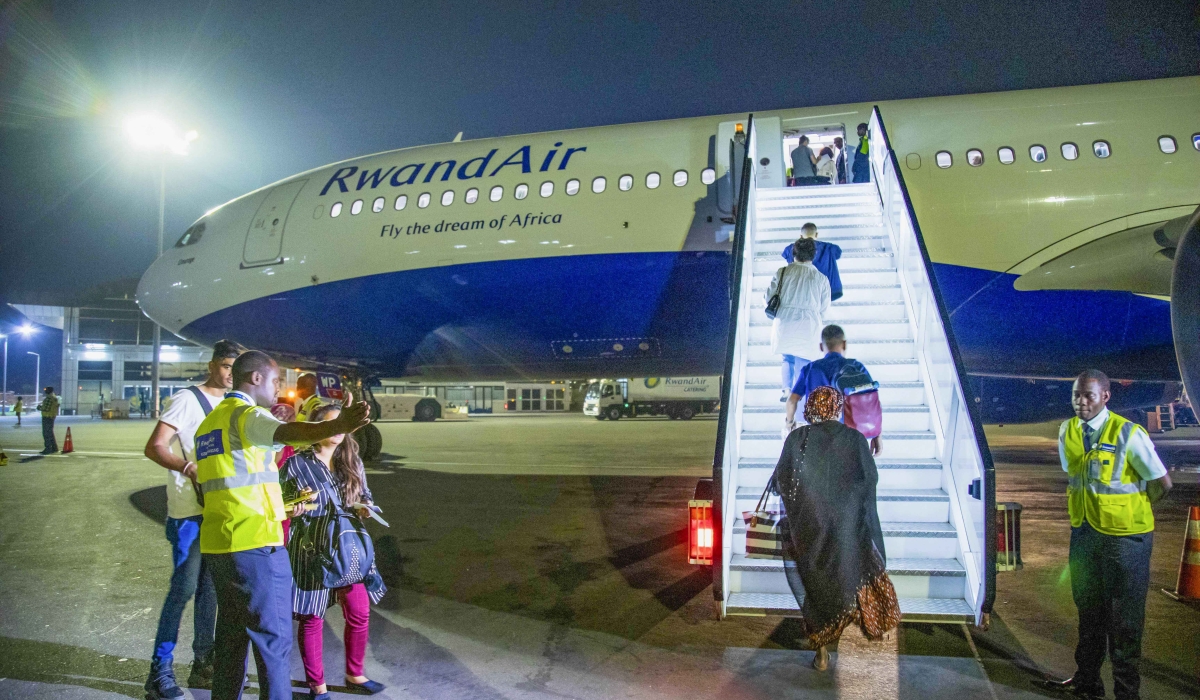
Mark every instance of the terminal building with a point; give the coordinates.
(107, 348)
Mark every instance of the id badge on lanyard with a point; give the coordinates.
(1094, 467)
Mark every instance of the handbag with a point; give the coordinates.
(773, 303)
(763, 538)
(347, 553)
(862, 410)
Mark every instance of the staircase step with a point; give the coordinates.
(894, 474)
(851, 261)
(890, 394)
(901, 540)
(857, 330)
(863, 350)
(839, 311)
(905, 445)
(847, 240)
(895, 505)
(943, 610)
(900, 370)
(895, 418)
(912, 578)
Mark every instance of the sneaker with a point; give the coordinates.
(162, 686)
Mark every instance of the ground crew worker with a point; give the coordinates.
(307, 397)
(19, 408)
(49, 409)
(241, 535)
(1114, 475)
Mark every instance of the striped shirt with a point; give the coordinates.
(303, 470)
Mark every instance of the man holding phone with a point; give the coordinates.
(241, 536)
(172, 446)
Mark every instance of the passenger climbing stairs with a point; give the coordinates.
(933, 525)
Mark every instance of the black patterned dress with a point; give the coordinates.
(303, 470)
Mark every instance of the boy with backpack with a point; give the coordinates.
(862, 410)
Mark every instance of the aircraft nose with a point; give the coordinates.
(152, 292)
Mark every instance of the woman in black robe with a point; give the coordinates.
(832, 541)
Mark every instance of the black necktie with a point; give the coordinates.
(1088, 431)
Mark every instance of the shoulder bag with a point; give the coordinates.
(347, 553)
(773, 303)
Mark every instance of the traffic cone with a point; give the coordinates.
(68, 448)
(1187, 588)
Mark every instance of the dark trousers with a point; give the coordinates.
(254, 605)
(51, 445)
(1109, 579)
(190, 578)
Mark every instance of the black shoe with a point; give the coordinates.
(201, 675)
(161, 685)
(369, 687)
(1071, 687)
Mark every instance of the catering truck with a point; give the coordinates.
(678, 398)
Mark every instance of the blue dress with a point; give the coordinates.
(303, 470)
(826, 263)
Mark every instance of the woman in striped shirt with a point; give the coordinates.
(330, 464)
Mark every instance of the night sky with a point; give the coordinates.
(277, 88)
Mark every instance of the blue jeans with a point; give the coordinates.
(791, 370)
(1109, 579)
(190, 578)
(254, 590)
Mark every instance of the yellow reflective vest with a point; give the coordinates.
(310, 404)
(1102, 487)
(243, 505)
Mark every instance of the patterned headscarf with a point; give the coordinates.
(824, 403)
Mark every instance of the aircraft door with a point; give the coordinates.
(768, 143)
(264, 238)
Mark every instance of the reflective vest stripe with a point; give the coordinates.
(225, 483)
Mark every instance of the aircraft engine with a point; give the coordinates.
(1180, 240)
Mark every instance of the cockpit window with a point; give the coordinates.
(192, 235)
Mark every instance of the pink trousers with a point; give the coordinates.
(356, 608)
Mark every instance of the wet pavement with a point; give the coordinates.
(537, 557)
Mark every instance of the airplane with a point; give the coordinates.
(1057, 221)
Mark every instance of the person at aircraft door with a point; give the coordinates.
(1114, 476)
(862, 163)
(803, 299)
(840, 160)
(241, 537)
(804, 164)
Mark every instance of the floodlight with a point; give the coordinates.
(151, 132)
(26, 330)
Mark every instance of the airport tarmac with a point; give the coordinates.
(536, 557)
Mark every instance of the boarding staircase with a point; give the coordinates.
(934, 462)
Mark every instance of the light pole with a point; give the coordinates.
(151, 132)
(37, 378)
(4, 391)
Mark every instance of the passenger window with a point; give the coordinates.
(377, 205)
(1101, 149)
(572, 187)
(546, 189)
(1006, 155)
(471, 196)
(708, 176)
(652, 181)
(1037, 154)
(401, 202)
(944, 159)
(521, 192)
(356, 207)
(447, 198)
(599, 184)
(423, 200)
(1070, 151)
(1166, 144)
(336, 210)
(679, 178)
(625, 183)
(496, 193)
(975, 157)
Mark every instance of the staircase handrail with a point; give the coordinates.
(966, 397)
(730, 392)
